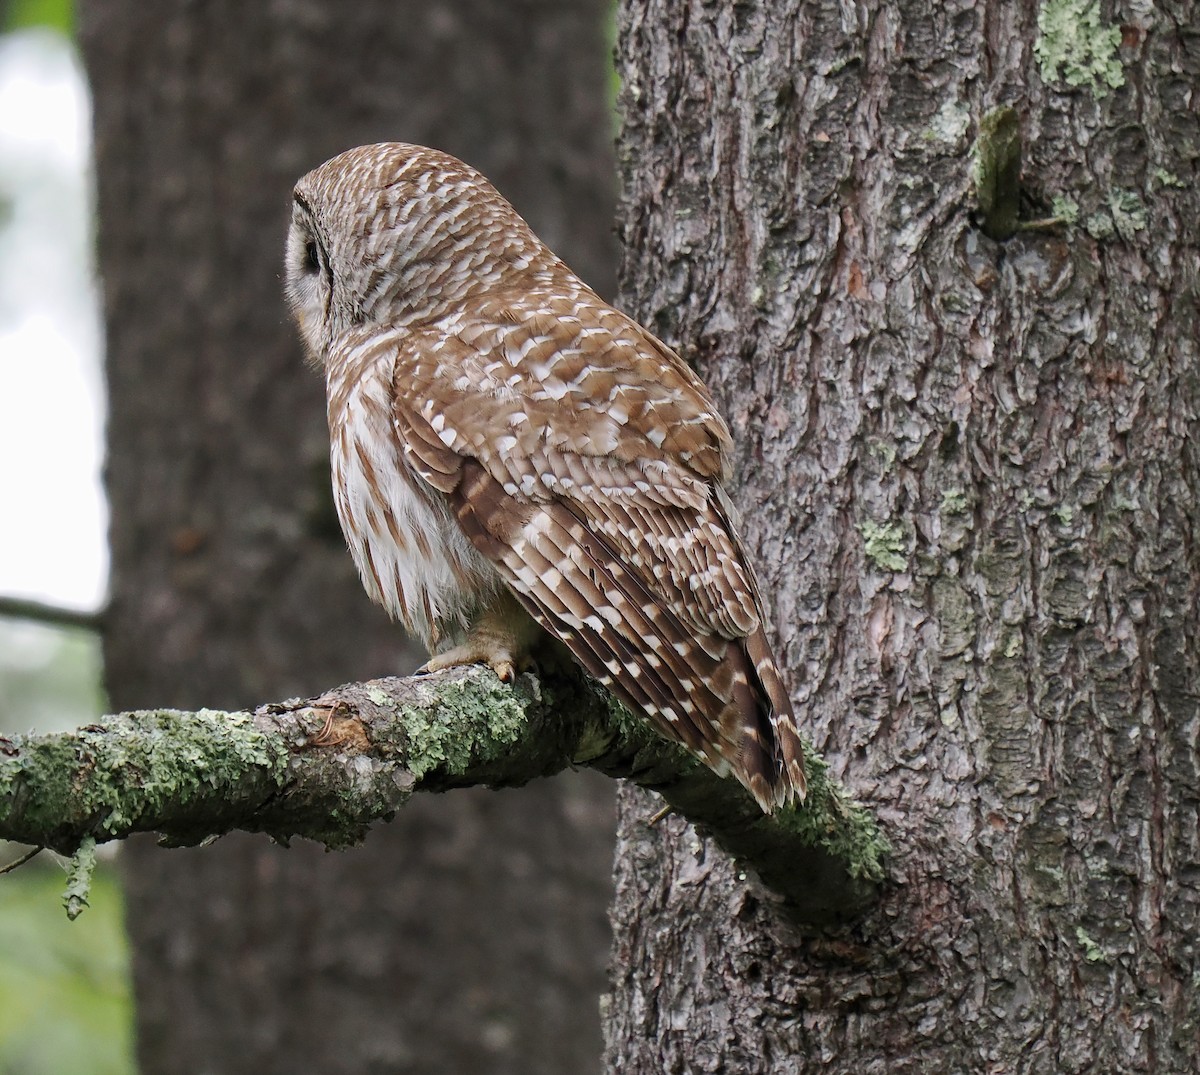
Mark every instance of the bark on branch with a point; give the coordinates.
(328, 768)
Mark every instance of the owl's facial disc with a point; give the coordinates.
(309, 282)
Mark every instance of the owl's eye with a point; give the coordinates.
(312, 257)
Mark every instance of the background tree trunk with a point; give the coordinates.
(968, 472)
(470, 934)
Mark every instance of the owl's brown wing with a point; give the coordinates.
(582, 457)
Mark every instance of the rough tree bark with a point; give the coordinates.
(470, 935)
(969, 475)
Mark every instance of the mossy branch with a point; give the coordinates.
(328, 768)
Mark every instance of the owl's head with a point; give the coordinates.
(396, 234)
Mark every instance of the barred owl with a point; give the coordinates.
(513, 456)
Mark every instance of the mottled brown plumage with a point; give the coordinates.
(499, 432)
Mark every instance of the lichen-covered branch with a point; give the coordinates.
(328, 768)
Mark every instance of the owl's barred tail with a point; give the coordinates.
(771, 758)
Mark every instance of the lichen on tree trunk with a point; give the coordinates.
(968, 474)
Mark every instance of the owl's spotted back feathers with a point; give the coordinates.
(497, 428)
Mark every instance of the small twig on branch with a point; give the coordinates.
(328, 768)
(16, 864)
(20, 608)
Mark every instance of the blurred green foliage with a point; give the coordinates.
(56, 14)
(49, 677)
(65, 1004)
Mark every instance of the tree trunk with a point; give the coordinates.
(470, 934)
(968, 472)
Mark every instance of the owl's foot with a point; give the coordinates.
(499, 658)
(500, 637)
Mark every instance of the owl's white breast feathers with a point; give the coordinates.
(412, 555)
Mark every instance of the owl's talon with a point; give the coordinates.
(499, 661)
(500, 637)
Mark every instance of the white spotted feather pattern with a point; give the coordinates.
(495, 425)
